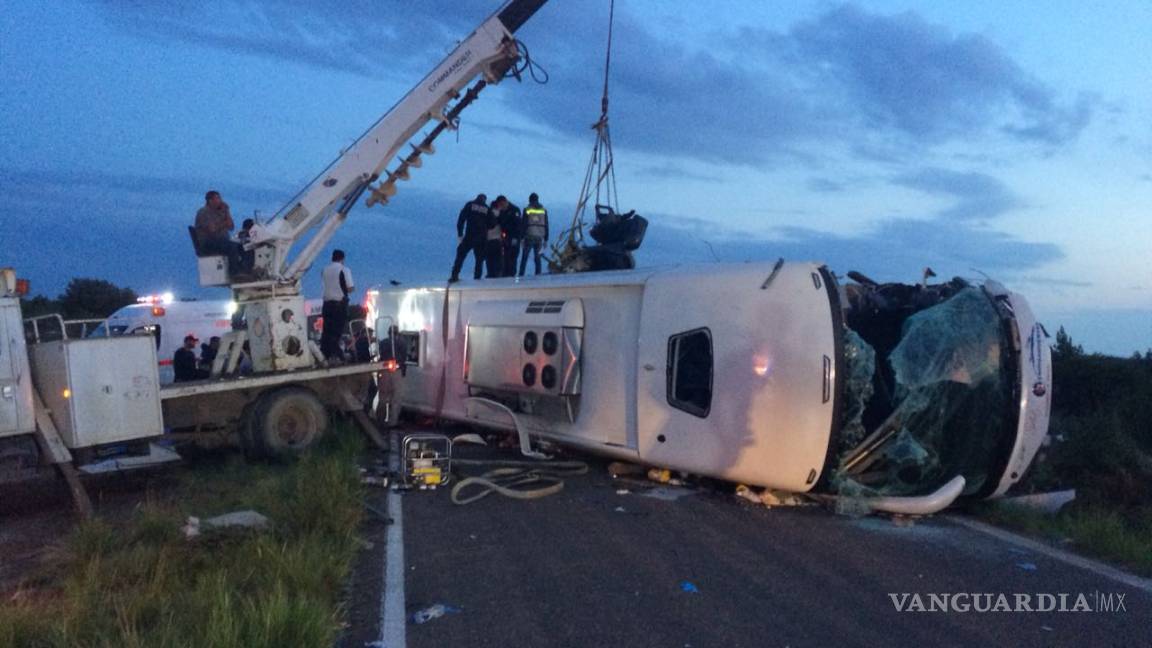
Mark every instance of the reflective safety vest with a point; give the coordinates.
(535, 222)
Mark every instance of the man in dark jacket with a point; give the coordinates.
(494, 244)
(184, 361)
(471, 229)
(511, 227)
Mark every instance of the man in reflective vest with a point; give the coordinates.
(535, 232)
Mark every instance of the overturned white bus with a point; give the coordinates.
(773, 375)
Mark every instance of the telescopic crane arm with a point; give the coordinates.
(319, 210)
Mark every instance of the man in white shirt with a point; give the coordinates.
(337, 281)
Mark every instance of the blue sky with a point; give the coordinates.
(1011, 139)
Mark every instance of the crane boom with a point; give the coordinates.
(319, 210)
(274, 307)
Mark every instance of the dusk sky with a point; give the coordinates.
(1004, 138)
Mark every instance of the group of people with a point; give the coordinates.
(498, 235)
(186, 366)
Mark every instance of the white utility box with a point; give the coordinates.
(213, 270)
(100, 390)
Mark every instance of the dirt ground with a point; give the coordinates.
(36, 518)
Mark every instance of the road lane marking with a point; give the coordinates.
(393, 624)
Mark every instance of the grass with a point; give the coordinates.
(139, 582)
(1121, 538)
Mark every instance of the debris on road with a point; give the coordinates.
(432, 612)
(624, 469)
(769, 497)
(235, 519)
(668, 494)
(689, 587)
(1049, 503)
(663, 476)
(1027, 566)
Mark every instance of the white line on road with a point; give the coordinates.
(393, 624)
(1093, 566)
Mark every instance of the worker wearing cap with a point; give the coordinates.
(184, 361)
(471, 225)
(337, 280)
(535, 232)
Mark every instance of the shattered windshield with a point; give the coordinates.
(927, 390)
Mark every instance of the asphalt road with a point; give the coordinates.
(591, 567)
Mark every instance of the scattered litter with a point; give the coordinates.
(622, 491)
(663, 476)
(1050, 503)
(1027, 566)
(620, 509)
(1046, 628)
(689, 587)
(432, 612)
(621, 468)
(769, 497)
(744, 492)
(370, 480)
(668, 494)
(470, 437)
(244, 519)
(156, 455)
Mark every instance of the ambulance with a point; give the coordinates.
(169, 320)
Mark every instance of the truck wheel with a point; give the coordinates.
(287, 422)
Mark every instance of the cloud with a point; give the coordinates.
(360, 37)
(671, 171)
(825, 185)
(906, 74)
(978, 195)
(875, 85)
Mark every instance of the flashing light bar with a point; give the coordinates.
(162, 298)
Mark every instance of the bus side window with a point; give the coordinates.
(689, 374)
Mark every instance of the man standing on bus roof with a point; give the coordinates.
(494, 245)
(512, 227)
(535, 231)
(337, 281)
(213, 227)
(471, 225)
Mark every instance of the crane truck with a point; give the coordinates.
(61, 396)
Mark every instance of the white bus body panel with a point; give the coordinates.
(16, 413)
(773, 353)
(100, 390)
(769, 429)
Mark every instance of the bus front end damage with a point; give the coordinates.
(946, 395)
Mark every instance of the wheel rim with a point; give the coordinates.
(293, 426)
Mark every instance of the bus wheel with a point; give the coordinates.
(287, 422)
